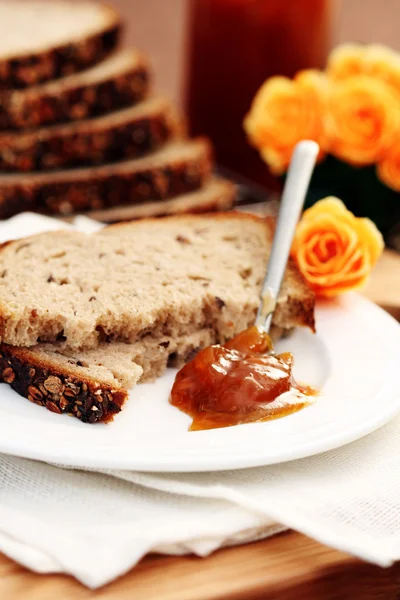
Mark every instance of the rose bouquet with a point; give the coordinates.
(352, 109)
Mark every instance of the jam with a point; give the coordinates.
(233, 46)
(242, 381)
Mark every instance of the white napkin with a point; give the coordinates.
(96, 526)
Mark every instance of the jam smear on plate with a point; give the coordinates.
(239, 382)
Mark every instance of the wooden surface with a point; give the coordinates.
(384, 287)
(288, 566)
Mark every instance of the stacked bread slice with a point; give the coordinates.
(84, 317)
(41, 41)
(80, 130)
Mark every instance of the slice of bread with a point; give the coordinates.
(159, 277)
(45, 40)
(91, 385)
(117, 82)
(127, 133)
(86, 390)
(176, 168)
(215, 195)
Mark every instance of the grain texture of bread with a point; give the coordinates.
(93, 385)
(215, 195)
(117, 82)
(124, 134)
(176, 168)
(159, 277)
(150, 354)
(42, 40)
(91, 393)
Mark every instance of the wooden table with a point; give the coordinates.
(288, 566)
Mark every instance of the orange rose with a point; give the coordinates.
(384, 64)
(284, 112)
(363, 120)
(375, 60)
(389, 168)
(346, 61)
(335, 250)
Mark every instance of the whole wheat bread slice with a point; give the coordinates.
(176, 168)
(41, 40)
(92, 385)
(215, 195)
(87, 390)
(124, 134)
(117, 82)
(159, 277)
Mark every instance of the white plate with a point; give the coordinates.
(353, 359)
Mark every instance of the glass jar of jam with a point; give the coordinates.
(233, 46)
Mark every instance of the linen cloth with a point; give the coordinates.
(97, 525)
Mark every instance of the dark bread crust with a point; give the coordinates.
(58, 388)
(300, 310)
(87, 142)
(267, 222)
(223, 201)
(66, 192)
(24, 109)
(65, 59)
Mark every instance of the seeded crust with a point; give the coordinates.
(125, 134)
(60, 388)
(176, 168)
(93, 385)
(117, 82)
(159, 277)
(215, 195)
(50, 62)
